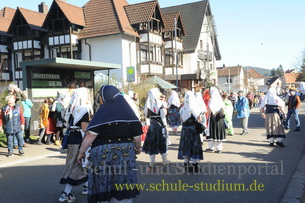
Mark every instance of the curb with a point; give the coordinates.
(29, 159)
(295, 190)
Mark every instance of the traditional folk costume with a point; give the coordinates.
(173, 116)
(203, 108)
(190, 148)
(156, 137)
(228, 111)
(271, 107)
(216, 133)
(112, 156)
(74, 174)
(206, 99)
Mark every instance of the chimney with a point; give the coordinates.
(43, 8)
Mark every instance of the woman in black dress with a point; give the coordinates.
(156, 137)
(114, 133)
(190, 149)
(216, 133)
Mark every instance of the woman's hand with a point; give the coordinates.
(263, 115)
(80, 158)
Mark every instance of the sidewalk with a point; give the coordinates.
(32, 153)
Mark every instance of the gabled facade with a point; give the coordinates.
(173, 43)
(27, 33)
(290, 80)
(109, 39)
(255, 80)
(64, 23)
(6, 15)
(200, 45)
(232, 79)
(147, 19)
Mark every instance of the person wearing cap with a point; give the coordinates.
(293, 104)
(243, 111)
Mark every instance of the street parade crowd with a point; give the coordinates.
(110, 136)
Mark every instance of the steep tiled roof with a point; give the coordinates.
(141, 12)
(291, 77)
(233, 71)
(105, 17)
(7, 13)
(4, 24)
(169, 21)
(32, 17)
(73, 13)
(254, 74)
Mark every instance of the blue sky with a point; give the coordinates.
(261, 33)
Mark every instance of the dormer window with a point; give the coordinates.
(143, 26)
(167, 35)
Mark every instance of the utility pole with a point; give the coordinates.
(176, 55)
(229, 81)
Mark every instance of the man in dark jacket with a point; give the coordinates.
(293, 104)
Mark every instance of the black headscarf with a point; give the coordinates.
(114, 109)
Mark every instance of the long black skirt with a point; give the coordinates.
(190, 144)
(156, 140)
(217, 128)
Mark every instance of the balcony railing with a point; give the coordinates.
(205, 55)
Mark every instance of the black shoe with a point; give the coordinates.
(218, 151)
(209, 150)
(196, 168)
(245, 133)
(271, 144)
(9, 154)
(297, 129)
(286, 128)
(21, 153)
(281, 144)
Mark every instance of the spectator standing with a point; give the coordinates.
(250, 97)
(19, 97)
(13, 124)
(228, 111)
(293, 104)
(27, 106)
(44, 121)
(243, 111)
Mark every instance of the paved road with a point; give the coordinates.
(37, 179)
